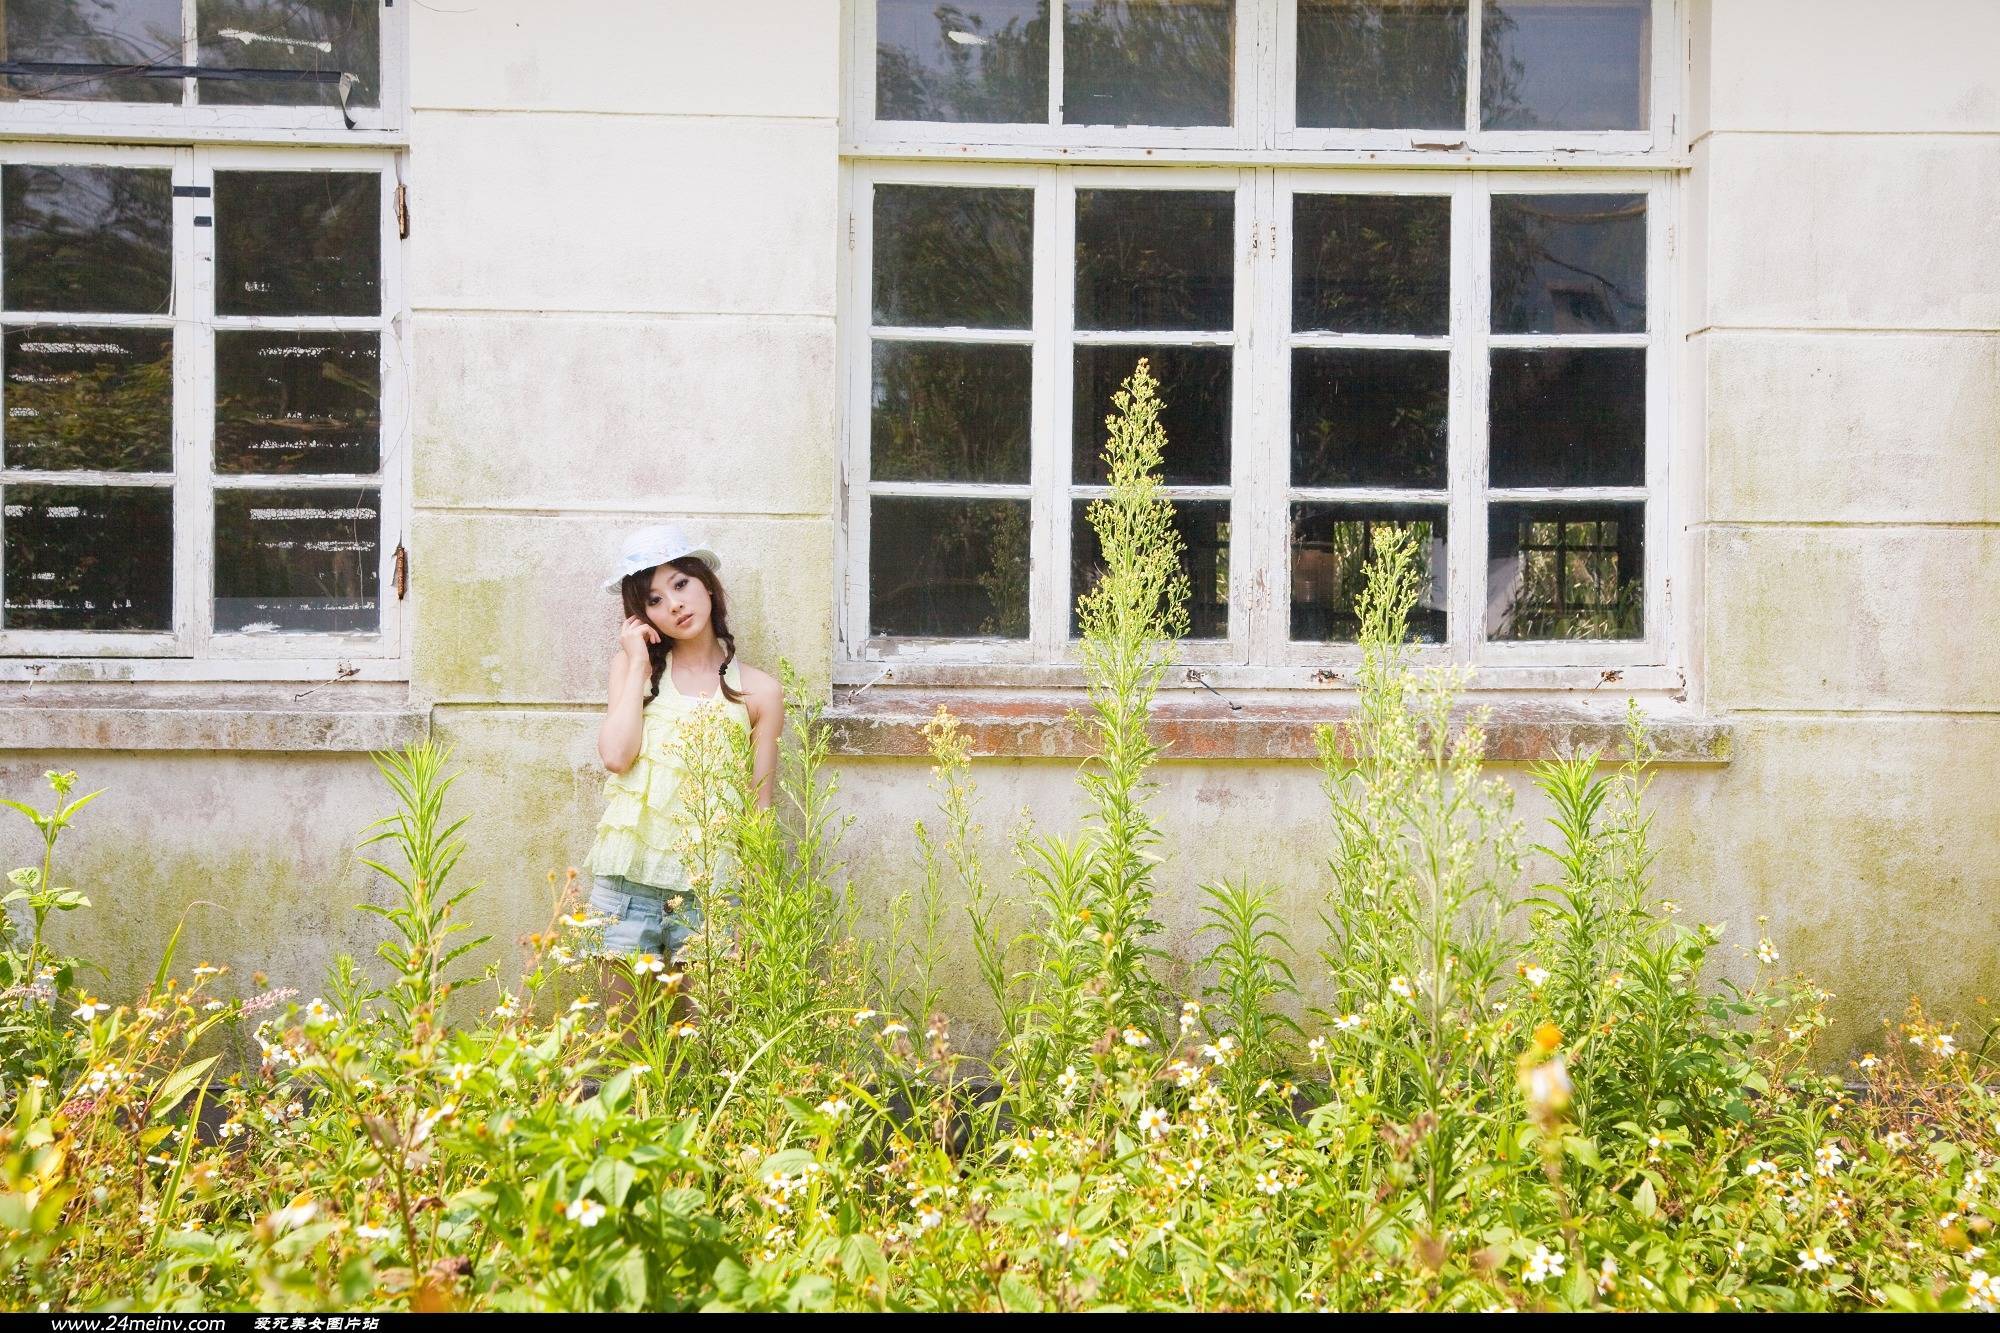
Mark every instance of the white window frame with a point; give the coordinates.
(1265, 109)
(1271, 160)
(188, 121)
(195, 649)
(190, 136)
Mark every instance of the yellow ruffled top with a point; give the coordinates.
(641, 823)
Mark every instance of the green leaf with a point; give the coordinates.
(1645, 1201)
(861, 1255)
(612, 1178)
(179, 1083)
(1018, 1297)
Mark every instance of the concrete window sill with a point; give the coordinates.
(336, 719)
(1039, 727)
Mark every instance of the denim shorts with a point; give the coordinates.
(640, 919)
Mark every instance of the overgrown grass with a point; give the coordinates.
(1517, 1096)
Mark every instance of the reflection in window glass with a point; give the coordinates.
(1569, 417)
(297, 402)
(1194, 392)
(1364, 416)
(1565, 64)
(950, 412)
(1203, 526)
(89, 397)
(1566, 571)
(87, 557)
(90, 32)
(1148, 62)
(1155, 259)
(951, 257)
(326, 36)
(985, 60)
(95, 240)
(948, 567)
(1371, 263)
(1382, 64)
(297, 561)
(298, 243)
(1331, 546)
(1569, 263)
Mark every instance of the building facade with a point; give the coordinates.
(344, 340)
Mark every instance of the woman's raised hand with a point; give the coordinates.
(634, 635)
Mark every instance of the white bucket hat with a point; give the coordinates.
(648, 547)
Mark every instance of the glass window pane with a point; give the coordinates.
(948, 568)
(950, 412)
(328, 36)
(952, 257)
(298, 243)
(1331, 547)
(1370, 417)
(1563, 417)
(1569, 263)
(1565, 64)
(1156, 259)
(1382, 64)
(1204, 529)
(90, 32)
(88, 557)
(95, 240)
(1371, 263)
(90, 397)
(297, 402)
(1148, 62)
(1195, 400)
(987, 60)
(298, 562)
(1566, 571)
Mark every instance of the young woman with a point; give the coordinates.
(675, 655)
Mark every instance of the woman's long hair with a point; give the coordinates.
(637, 587)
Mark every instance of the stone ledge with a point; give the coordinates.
(148, 721)
(1041, 727)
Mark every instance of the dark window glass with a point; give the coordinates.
(1370, 417)
(90, 397)
(1566, 571)
(950, 412)
(1565, 64)
(90, 32)
(1569, 417)
(948, 568)
(1569, 263)
(298, 243)
(1195, 398)
(1204, 529)
(1382, 64)
(88, 557)
(1371, 263)
(297, 562)
(1155, 259)
(1148, 62)
(88, 239)
(1331, 547)
(297, 402)
(323, 36)
(951, 257)
(983, 61)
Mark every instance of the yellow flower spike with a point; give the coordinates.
(1547, 1038)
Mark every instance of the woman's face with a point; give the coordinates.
(678, 604)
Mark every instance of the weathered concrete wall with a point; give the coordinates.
(623, 267)
(1847, 336)
(623, 272)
